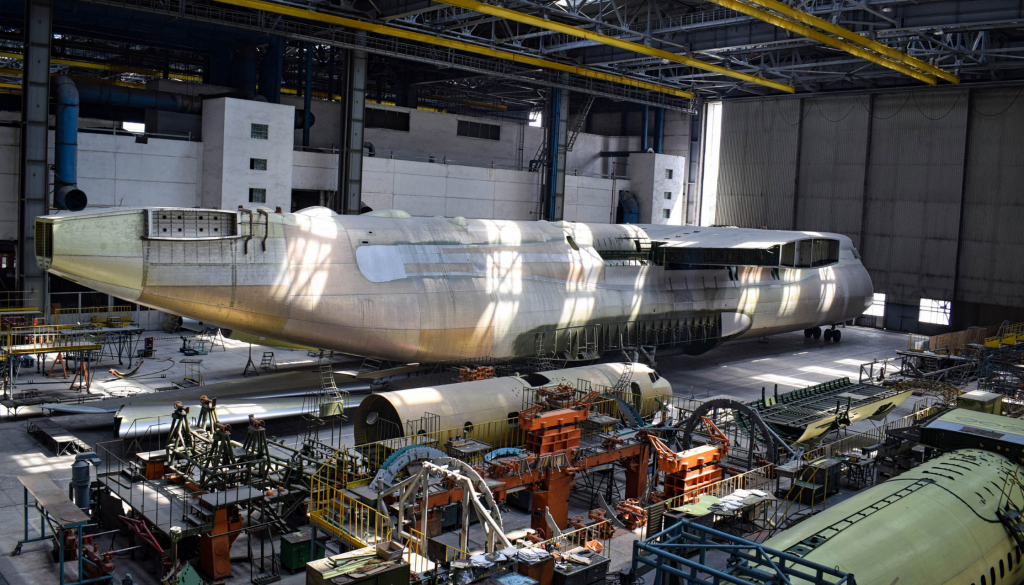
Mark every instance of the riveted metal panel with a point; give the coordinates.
(757, 171)
(915, 178)
(992, 251)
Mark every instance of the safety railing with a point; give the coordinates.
(599, 531)
(421, 561)
(1008, 334)
(116, 316)
(870, 437)
(346, 517)
(761, 478)
(33, 339)
(18, 300)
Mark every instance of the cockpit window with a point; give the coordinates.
(809, 253)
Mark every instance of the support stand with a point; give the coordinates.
(250, 364)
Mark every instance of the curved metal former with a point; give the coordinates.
(503, 452)
(399, 460)
(629, 414)
(772, 441)
(478, 483)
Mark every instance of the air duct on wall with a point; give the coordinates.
(66, 194)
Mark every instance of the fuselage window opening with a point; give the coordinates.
(789, 254)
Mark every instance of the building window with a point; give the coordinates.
(478, 130)
(666, 213)
(387, 119)
(668, 194)
(934, 311)
(260, 131)
(668, 173)
(877, 308)
(258, 164)
(257, 195)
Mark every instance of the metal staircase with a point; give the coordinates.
(578, 122)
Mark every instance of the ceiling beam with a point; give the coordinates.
(819, 23)
(612, 41)
(391, 31)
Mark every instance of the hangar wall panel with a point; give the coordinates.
(993, 237)
(757, 172)
(830, 193)
(915, 178)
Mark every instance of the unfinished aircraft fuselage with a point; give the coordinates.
(432, 289)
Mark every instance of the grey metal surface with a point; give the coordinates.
(34, 174)
(992, 266)
(757, 173)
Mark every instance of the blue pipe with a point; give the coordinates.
(307, 95)
(659, 129)
(66, 194)
(556, 109)
(643, 129)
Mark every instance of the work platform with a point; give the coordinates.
(56, 437)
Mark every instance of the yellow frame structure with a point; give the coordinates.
(392, 31)
(612, 41)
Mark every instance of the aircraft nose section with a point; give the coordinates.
(102, 251)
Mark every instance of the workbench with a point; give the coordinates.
(60, 514)
(575, 574)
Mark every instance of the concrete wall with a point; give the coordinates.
(326, 129)
(10, 160)
(648, 178)
(228, 146)
(315, 171)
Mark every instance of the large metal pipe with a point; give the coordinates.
(271, 70)
(644, 121)
(66, 194)
(553, 117)
(307, 96)
(379, 416)
(659, 129)
(147, 99)
(80, 480)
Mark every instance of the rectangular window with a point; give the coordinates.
(877, 308)
(257, 195)
(387, 119)
(260, 131)
(668, 173)
(825, 252)
(478, 130)
(668, 194)
(258, 164)
(666, 213)
(934, 311)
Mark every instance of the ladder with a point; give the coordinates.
(541, 158)
(578, 122)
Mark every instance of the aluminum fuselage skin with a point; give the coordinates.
(433, 289)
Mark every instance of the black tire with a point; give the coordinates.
(807, 333)
(837, 335)
(816, 332)
(828, 335)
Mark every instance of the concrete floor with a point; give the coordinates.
(739, 369)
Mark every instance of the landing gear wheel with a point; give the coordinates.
(828, 335)
(816, 332)
(836, 335)
(807, 333)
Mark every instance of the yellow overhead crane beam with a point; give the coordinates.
(392, 31)
(903, 63)
(855, 38)
(611, 41)
(108, 67)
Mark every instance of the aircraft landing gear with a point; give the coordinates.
(814, 332)
(833, 334)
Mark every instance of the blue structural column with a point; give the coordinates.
(643, 128)
(271, 70)
(557, 136)
(659, 129)
(307, 95)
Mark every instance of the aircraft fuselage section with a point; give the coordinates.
(432, 289)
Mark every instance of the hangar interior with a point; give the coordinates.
(544, 293)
